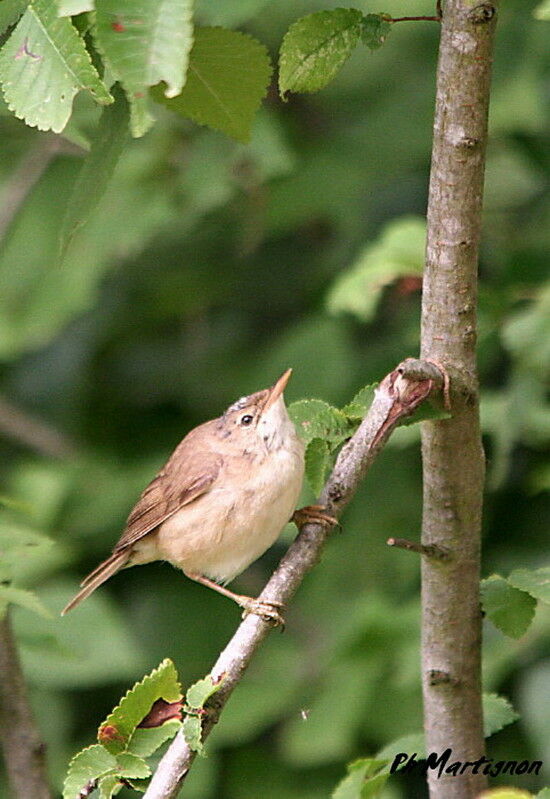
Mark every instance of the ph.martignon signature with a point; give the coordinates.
(445, 765)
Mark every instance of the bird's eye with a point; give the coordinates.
(247, 419)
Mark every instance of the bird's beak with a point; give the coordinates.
(276, 390)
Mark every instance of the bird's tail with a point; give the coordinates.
(105, 570)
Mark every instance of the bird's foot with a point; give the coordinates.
(269, 611)
(313, 514)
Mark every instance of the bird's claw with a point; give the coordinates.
(269, 611)
(313, 514)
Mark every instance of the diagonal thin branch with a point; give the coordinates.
(397, 397)
(24, 751)
(31, 432)
(24, 177)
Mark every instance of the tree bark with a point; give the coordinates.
(24, 752)
(452, 454)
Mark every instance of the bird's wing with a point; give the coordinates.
(190, 473)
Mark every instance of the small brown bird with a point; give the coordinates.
(220, 501)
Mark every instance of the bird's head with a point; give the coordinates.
(261, 419)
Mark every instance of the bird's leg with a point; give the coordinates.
(313, 514)
(269, 611)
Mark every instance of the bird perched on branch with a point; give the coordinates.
(220, 501)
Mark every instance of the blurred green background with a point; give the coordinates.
(208, 269)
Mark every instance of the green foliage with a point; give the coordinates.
(535, 581)
(374, 30)
(397, 253)
(45, 62)
(96, 763)
(542, 11)
(122, 744)
(198, 694)
(315, 48)
(68, 8)
(507, 793)
(145, 42)
(97, 169)
(10, 11)
(510, 609)
(192, 731)
(145, 741)
(117, 729)
(497, 713)
(18, 543)
(25, 599)
(362, 781)
(413, 743)
(228, 76)
(196, 697)
(324, 428)
(358, 407)
(90, 764)
(317, 463)
(43, 65)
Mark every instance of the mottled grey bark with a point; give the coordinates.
(452, 453)
(23, 749)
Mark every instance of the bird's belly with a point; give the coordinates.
(225, 530)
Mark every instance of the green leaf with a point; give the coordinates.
(506, 793)
(228, 76)
(131, 766)
(43, 65)
(315, 48)
(109, 786)
(89, 764)
(97, 168)
(407, 743)
(317, 461)
(198, 693)
(362, 780)
(145, 42)
(535, 581)
(10, 11)
(162, 683)
(192, 731)
(332, 425)
(144, 741)
(69, 8)
(510, 609)
(303, 412)
(544, 794)
(358, 407)
(19, 543)
(25, 599)
(374, 30)
(317, 419)
(497, 713)
(398, 252)
(542, 11)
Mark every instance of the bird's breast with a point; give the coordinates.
(226, 529)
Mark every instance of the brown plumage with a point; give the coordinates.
(221, 499)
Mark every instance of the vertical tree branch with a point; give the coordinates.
(452, 454)
(24, 752)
